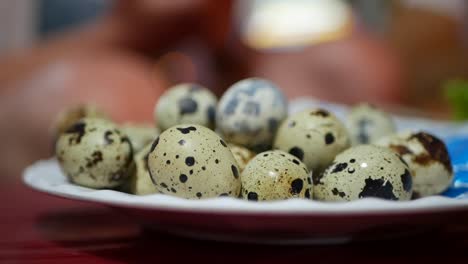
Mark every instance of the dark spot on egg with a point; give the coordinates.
(235, 171)
(181, 142)
(107, 137)
(295, 161)
(252, 196)
(297, 152)
(265, 155)
(407, 181)
(186, 130)
(191, 172)
(223, 143)
(251, 108)
(163, 185)
(199, 194)
(168, 162)
(329, 138)
(352, 160)
(216, 161)
(351, 170)
(173, 190)
(400, 149)
(296, 186)
(339, 167)
(176, 156)
(223, 195)
(336, 192)
(187, 106)
(436, 149)
(378, 188)
(183, 178)
(320, 112)
(96, 157)
(203, 168)
(155, 144)
(308, 136)
(307, 194)
(190, 161)
(231, 106)
(78, 131)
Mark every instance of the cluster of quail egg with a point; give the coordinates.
(247, 146)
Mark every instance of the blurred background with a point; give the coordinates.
(122, 54)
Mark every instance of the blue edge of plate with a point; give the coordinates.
(458, 150)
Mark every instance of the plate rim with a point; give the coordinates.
(214, 205)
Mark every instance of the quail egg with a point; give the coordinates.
(250, 112)
(241, 154)
(140, 182)
(192, 161)
(364, 171)
(314, 136)
(94, 153)
(275, 175)
(367, 124)
(186, 103)
(427, 158)
(140, 134)
(71, 115)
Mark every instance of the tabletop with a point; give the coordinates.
(38, 228)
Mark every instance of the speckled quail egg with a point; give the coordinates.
(94, 153)
(140, 182)
(242, 155)
(367, 124)
(70, 116)
(314, 136)
(427, 158)
(364, 171)
(192, 161)
(275, 175)
(250, 112)
(140, 134)
(186, 103)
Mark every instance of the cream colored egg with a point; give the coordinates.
(275, 175)
(94, 153)
(367, 124)
(186, 103)
(249, 113)
(192, 161)
(427, 158)
(364, 171)
(314, 136)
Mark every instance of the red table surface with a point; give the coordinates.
(38, 228)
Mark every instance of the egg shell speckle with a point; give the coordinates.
(364, 171)
(427, 158)
(367, 124)
(192, 161)
(275, 175)
(186, 103)
(94, 153)
(250, 112)
(314, 136)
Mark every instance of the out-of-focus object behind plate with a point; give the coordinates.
(272, 24)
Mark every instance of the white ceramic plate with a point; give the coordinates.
(289, 221)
